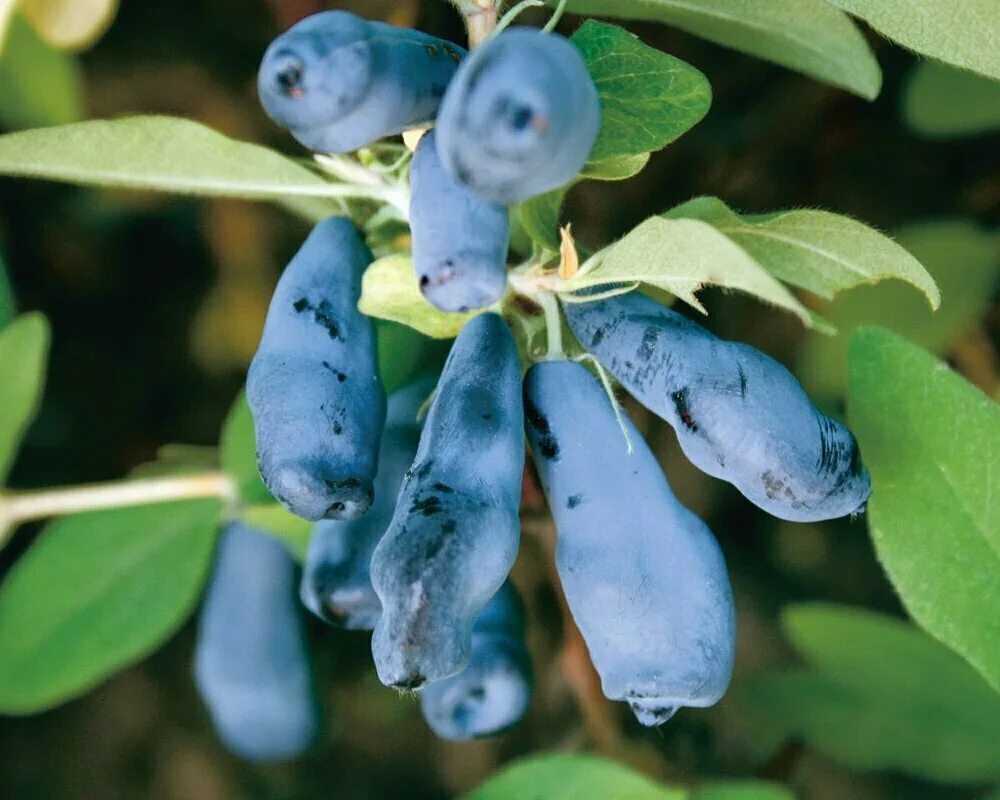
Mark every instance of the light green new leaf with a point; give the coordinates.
(806, 35)
(163, 154)
(389, 290)
(965, 33)
(282, 524)
(742, 790)
(38, 84)
(681, 256)
(942, 102)
(932, 443)
(97, 592)
(238, 453)
(539, 217)
(571, 777)
(648, 98)
(819, 251)
(964, 261)
(24, 349)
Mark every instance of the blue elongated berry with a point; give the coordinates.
(313, 387)
(739, 415)
(492, 693)
(459, 240)
(454, 535)
(336, 581)
(338, 82)
(251, 665)
(520, 118)
(643, 576)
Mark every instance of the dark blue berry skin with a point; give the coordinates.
(739, 414)
(520, 118)
(313, 387)
(454, 536)
(643, 577)
(251, 665)
(493, 692)
(338, 82)
(336, 581)
(459, 240)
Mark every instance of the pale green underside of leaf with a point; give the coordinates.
(97, 592)
(964, 261)
(38, 84)
(282, 524)
(24, 348)
(965, 33)
(648, 98)
(389, 291)
(942, 102)
(821, 252)
(809, 36)
(880, 694)
(162, 154)
(681, 256)
(571, 777)
(932, 443)
(616, 169)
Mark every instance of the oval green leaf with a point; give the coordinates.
(932, 443)
(97, 592)
(806, 35)
(946, 103)
(238, 453)
(24, 349)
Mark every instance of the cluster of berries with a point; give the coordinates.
(417, 523)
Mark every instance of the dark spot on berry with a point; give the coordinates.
(683, 409)
(428, 506)
(743, 381)
(442, 487)
(322, 315)
(597, 338)
(647, 346)
(574, 500)
(547, 444)
(338, 428)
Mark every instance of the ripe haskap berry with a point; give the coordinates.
(459, 240)
(455, 533)
(338, 82)
(739, 415)
(313, 387)
(492, 693)
(336, 581)
(643, 576)
(251, 665)
(520, 118)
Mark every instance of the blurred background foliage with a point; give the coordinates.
(157, 303)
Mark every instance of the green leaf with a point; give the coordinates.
(238, 453)
(616, 169)
(24, 349)
(742, 790)
(881, 694)
(571, 777)
(932, 443)
(404, 353)
(8, 306)
(941, 102)
(38, 84)
(97, 592)
(960, 32)
(282, 524)
(159, 153)
(819, 251)
(389, 290)
(539, 217)
(806, 35)
(681, 256)
(648, 98)
(964, 261)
